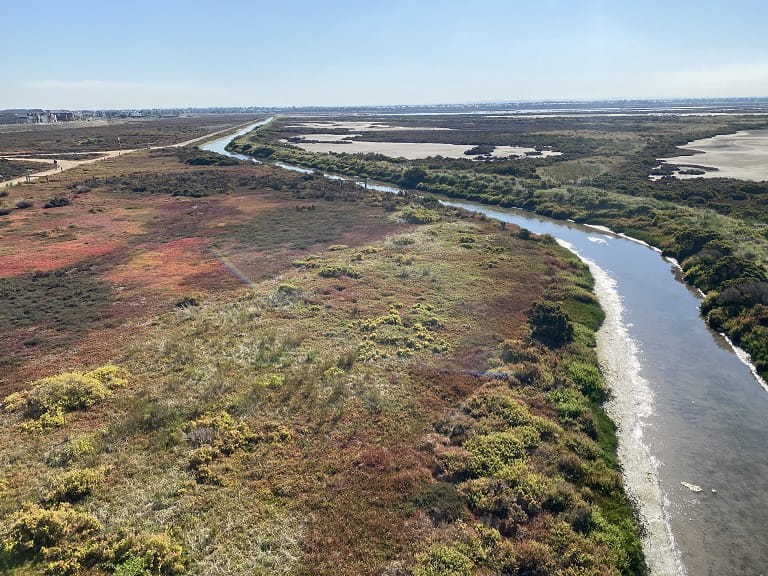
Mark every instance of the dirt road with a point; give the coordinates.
(63, 165)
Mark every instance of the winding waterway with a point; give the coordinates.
(692, 418)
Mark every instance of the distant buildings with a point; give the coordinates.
(38, 116)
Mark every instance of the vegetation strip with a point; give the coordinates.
(716, 229)
(399, 387)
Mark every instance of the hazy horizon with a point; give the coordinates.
(340, 53)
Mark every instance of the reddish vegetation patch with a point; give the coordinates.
(372, 485)
(169, 266)
(152, 248)
(448, 387)
(29, 257)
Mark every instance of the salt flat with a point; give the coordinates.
(324, 143)
(325, 137)
(507, 151)
(409, 150)
(360, 126)
(743, 155)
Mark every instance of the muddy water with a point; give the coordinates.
(693, 421)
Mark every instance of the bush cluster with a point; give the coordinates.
(63, 541)
(45, 403)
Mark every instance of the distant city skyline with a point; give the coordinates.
(173, 54)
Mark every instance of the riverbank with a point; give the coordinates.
(313, 372)
(687, 371)
(658, 542)
(718, 253)
(629, 406)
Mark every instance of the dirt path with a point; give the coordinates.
(63, 165)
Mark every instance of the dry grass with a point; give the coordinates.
(132, 133)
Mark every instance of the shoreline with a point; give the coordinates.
(630, 403)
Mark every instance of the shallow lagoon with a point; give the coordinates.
(410, 150)
(743, 155)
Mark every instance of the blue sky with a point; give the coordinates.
(114, 54)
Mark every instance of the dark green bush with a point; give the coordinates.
(442, 501)
(57, 201)
(550, 325)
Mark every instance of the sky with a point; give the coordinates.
(117, 54)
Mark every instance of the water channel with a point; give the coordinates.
(692, 418)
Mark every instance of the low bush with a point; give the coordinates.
(33, 528)
(57, 201)
(338, 271)
(442, 501)
(444, 560)
(62, 541)
(589, 380)
(75, 485)
(550, 324)
(419, 215)
(49, 398)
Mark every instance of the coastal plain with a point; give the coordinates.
(212, 366)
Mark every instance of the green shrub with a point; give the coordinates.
(49, 398)
(589, 380)
(443, 560)
(569, 403)
(419, 215)
(338, 271)
(79, 448)
(506, 409)
(220, 430)
(69, 391)
(287, 289)
(411, 177)
(271, 382)
(75, 485)
(33, 528)
(491, 452)
(490, 496)
(132, 566)
(110, 375)
(62, 541)
(550, 325)
(158, 553)
(442, 501)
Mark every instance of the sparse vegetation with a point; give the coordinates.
(356, 406)
(716, 228)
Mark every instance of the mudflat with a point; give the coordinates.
(743, 155)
